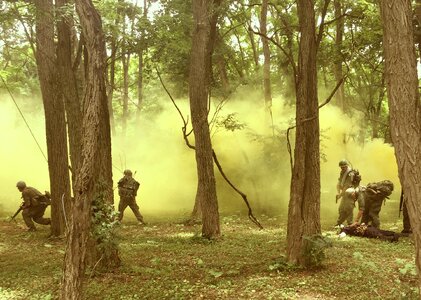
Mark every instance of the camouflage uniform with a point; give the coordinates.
(375, 195)
(346, 206)
(368, 231)
(34, 205)
(127, 190)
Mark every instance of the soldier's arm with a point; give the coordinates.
(26, 200)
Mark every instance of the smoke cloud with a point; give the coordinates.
(254, 156)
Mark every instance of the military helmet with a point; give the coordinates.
(21, 184)
(127, 172)
(343, 162)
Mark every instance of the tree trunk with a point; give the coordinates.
(417, 15)
(340, 94)
(55, 125)
(253, 47)
(200, 69)
(111, 81)
(141, 63)
(94, 181)
(266, 54)
(304, 205)
(69, 89)
(125, 58)
(404, 106)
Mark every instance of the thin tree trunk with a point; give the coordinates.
(340, 94)
(253, 47)
(111, 81)
(304, 205)
(141, 63)
(55, 124)
(404, 106)
(266, 54)
(69, 89)
(200, 70)
(125, 58)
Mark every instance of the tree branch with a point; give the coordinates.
(215, 158)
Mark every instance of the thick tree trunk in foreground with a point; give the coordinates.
(404, 106)
(55, 124)
(304, 205)
(95, 176)
(199, 93)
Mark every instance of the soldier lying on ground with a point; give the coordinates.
(369, 231)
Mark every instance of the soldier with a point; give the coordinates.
(369, 231)
(33, 206)
(127, 190)
(346, 191)
(374, 196)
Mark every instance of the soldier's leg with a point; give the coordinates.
(121, 207)
(38, 215)
(27, 217)
(350, 215)
(367, 211)
(374, 214)
(135, 208)
(342, 213)
(375, 220)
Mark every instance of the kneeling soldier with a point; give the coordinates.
(33, 206)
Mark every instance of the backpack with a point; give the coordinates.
(356, 179)
(127, 187)
(379, 191)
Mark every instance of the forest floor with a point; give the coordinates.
(167, 260)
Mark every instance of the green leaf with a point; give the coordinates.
(215, 274)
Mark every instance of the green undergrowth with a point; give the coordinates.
(167, 260)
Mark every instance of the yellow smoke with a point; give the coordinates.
(255, 161)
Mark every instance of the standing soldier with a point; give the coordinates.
(345, 191)
(127, 190)
(33, 206)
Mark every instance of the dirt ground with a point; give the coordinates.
(167, 260)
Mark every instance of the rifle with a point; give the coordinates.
(16, 213)
(338, 197)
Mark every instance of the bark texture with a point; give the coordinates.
(404, 106)
(200, 70)
(55, 124)
(95, 174)
(69, 87)
(304, 205)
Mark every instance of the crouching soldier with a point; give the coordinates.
(374, 197)
(33, 206)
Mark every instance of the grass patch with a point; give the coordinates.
(166, 260)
